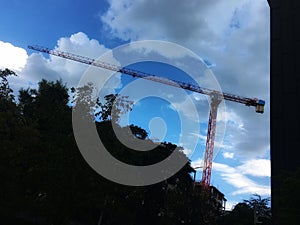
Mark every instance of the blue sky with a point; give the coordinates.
(232, 37)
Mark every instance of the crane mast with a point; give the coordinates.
(215, 98)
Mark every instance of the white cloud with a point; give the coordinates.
(52, 68)
(12, 57)
(138, 19)
(165, 49)
(229, 115)
(80, 43)
(256, 167)
(228, 155)
(238, 179)
(249, 138)
(191, 24)
(254, 189)
(237, 43)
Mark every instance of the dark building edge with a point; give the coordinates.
(285, 97)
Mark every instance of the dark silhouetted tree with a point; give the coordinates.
(260, 207)
(114, 106)
(5, 91)
(256, 210)
(45, 180)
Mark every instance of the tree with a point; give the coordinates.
(256, 210)
(5, 91)
(169, 202)
(83, 102)
(17, 138)
(9, 129)
(260, 208)
(27, 98)
(114, 106)
(46, 180)
(52, 111)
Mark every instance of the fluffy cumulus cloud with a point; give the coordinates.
(12, 57)
(191, 24)
(237, 43)
(39, 66)
(129, 19)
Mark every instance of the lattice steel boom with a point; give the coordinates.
(215, 96)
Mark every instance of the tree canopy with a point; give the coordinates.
(45, 180)
(256, 210)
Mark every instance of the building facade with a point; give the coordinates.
(285, 95)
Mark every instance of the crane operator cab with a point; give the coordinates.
(260, 106)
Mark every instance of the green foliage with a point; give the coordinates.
(27, 99)
(260, 206)
(83, 102)
(45, 180)
(256, 210)
(114, 106)
(5, 91)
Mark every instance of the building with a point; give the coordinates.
(285, 95)
(217, 197)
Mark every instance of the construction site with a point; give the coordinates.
(49, 179)
(215, 98)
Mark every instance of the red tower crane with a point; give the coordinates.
(215, 96)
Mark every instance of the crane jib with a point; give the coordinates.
(257, 103)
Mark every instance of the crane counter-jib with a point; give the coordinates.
(257, 103)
